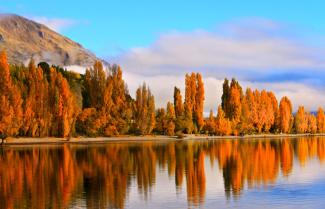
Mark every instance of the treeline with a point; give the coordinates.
(39, 101)
(42, 100)
(256, 112)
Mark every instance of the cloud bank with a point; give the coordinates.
(259, 53)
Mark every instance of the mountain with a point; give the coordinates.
(22, 39)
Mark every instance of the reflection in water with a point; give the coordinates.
(101, 176)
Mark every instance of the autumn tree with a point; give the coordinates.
(249, 115)
(95, 84)
(121, 110)
(194, 103)
(320, 120)
(265, 118)
(190, 92)
(161, 121)
(301, 121)
(223, 125)
(178, 102)
(170, 116)
(275, 111)
(62, 105)
(225, 97)
(10, 101)
(199, 102)
(144, 110)
(312, 123)
(106, 91)
(210, 124)
(235, 95)
(36, 108)
(285, 115)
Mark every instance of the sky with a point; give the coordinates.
(277, 45)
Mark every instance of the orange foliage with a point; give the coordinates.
(223, 125)
(10, 101)
(285, 115)
(320, 120)
(301, 120)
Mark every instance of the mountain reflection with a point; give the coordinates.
(100, 176)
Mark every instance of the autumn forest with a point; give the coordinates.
(39, 100)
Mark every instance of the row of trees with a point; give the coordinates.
(259, 112)
(40, 101)
(187, 116)
(35, 102)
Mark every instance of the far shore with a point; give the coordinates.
(93, 140)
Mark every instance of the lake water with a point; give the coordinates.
(250, 173)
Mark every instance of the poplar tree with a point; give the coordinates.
(320, 120)
(301, 121)
(10, 101)
(285, 115)
(199, 104)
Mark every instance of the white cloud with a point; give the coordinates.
(252, 50)
(76, 68)
(56, 24)
(206, 51)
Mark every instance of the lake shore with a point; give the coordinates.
(93, 140)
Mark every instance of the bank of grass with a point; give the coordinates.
(91, 140)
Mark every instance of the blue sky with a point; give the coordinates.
(278, 45)
(107, 27)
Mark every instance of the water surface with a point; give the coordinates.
(250, 173)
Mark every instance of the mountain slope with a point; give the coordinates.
(23, 38)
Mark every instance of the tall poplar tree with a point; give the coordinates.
(285, 115)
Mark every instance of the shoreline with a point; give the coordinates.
(156, 138)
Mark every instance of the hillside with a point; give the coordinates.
(23, 38)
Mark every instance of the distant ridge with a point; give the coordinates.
(23, 38)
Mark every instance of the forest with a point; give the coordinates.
(39, 100)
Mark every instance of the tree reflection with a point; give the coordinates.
(101, 176)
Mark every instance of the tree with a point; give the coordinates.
(121, 110)
(234, 101)
(312, 123)
(190, 91)
(178, 103)
(194, 103)
(95, 83)
(151, 112)
(223, 125)
(144, 110)
(265, 112)
(275, 110)
(63, 106)
(199, 102)
(170, 129)
(108, 94)
(88, 122)
(301, 121)
(10, 101)
(285, 115)
(249, 114)
(210, 124)
(161, 121)
(36, 107)
(320, 120)
(225, 97)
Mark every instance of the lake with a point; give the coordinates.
(248, 173)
